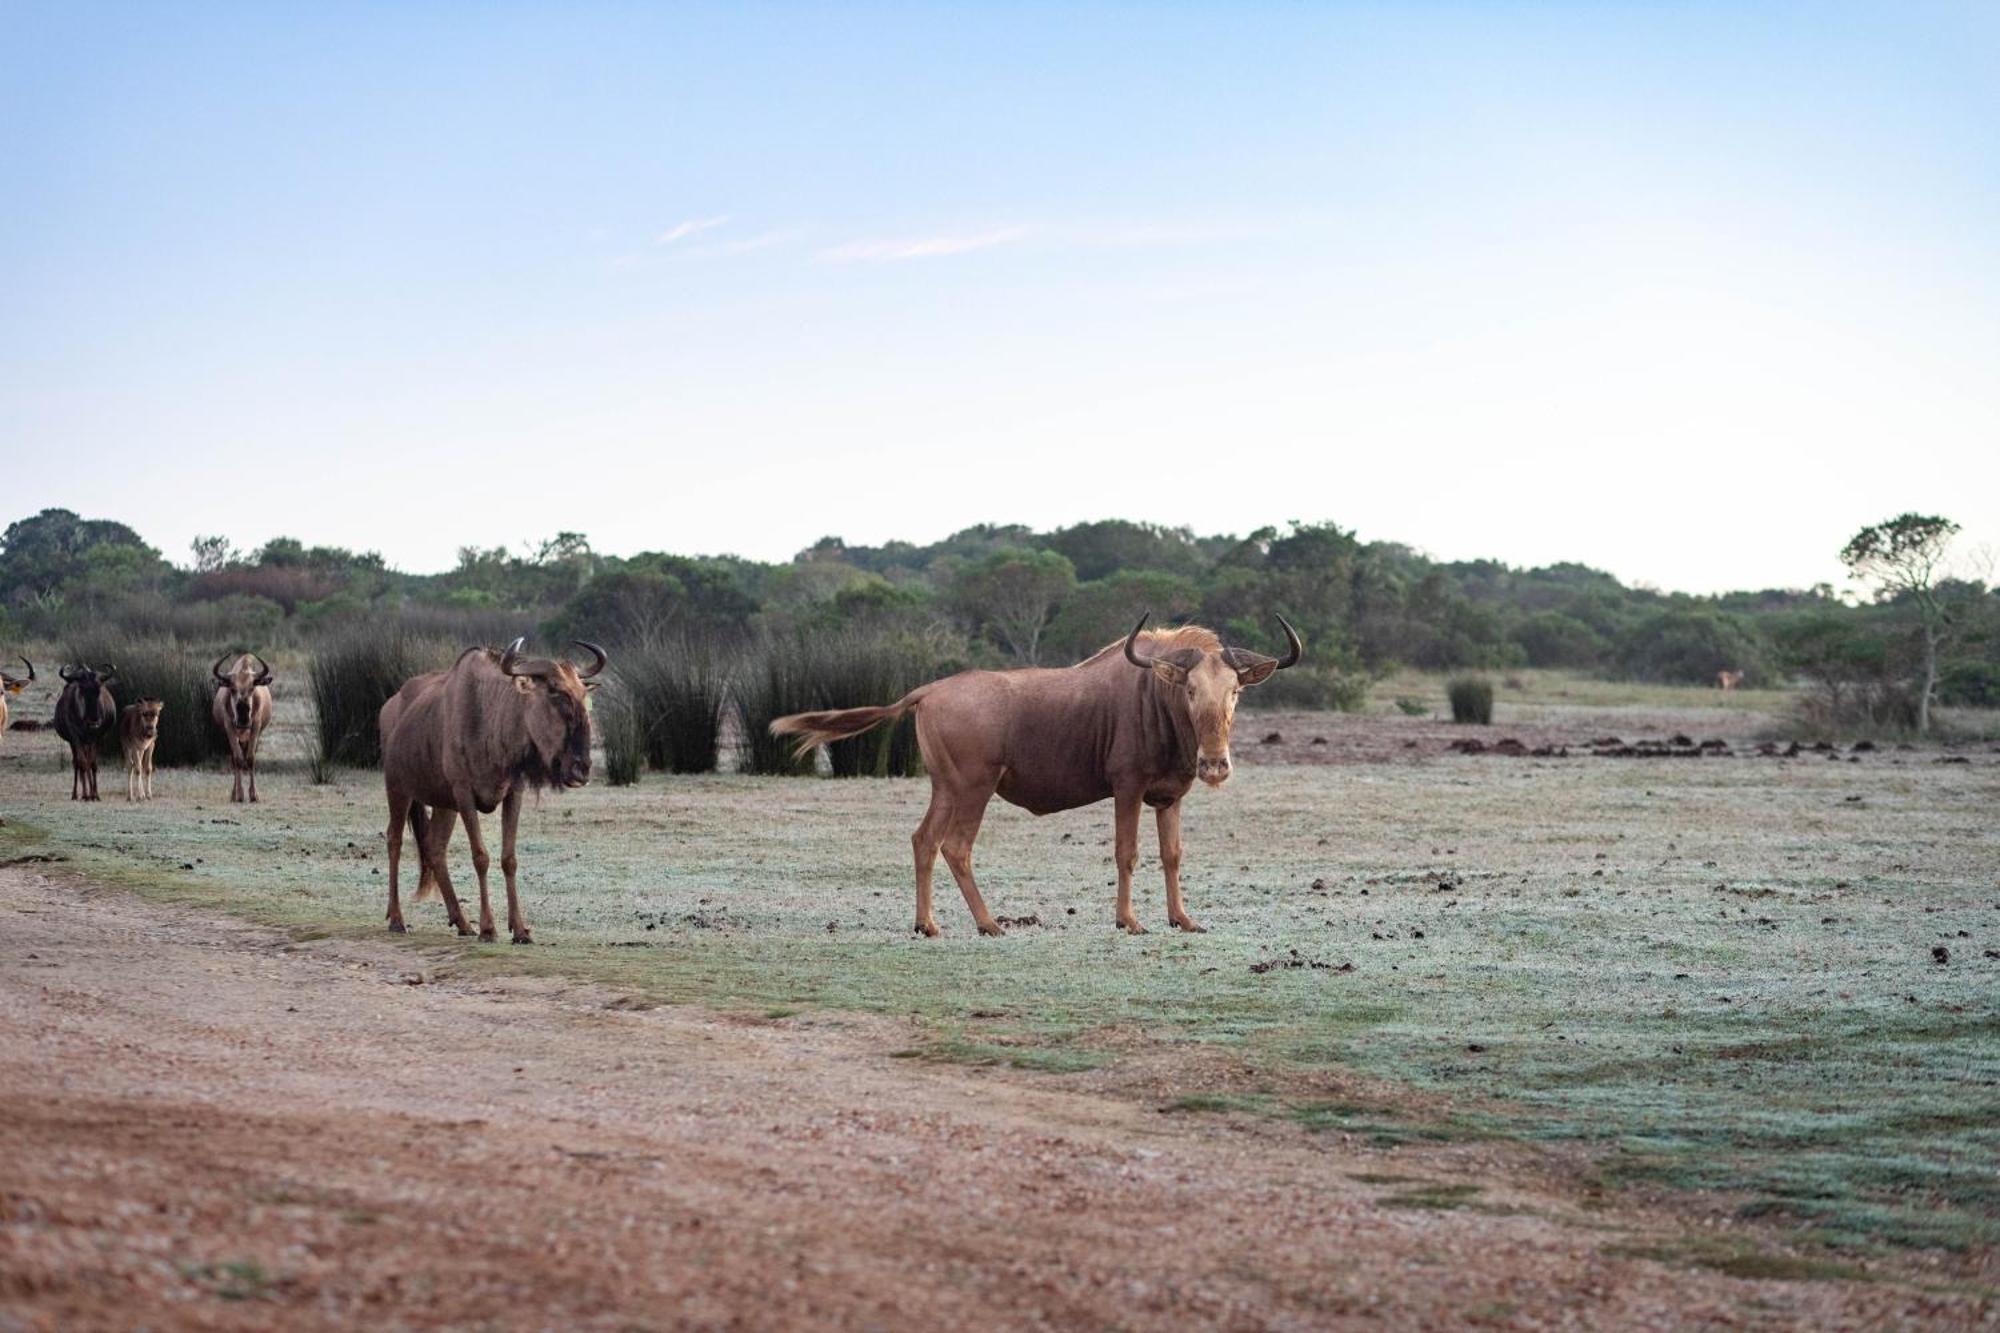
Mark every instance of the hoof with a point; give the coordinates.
(398, 928)
(465, 930)
(1187, 926)
(523, 937)
(487, 937)
(928, 929)
(1131, 928)
(990, 928)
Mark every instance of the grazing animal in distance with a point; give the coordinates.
(242, 709)
(1728, 680)
(1138, 726)
(13, 685)
(458, 744)
(86, 714)
(138, 733)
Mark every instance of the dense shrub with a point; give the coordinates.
(1970, 684)
(1686, 647)
(175, 674)
(351, 679)
(1553, 639)
(1471, 699)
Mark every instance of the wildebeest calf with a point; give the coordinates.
(138, 732)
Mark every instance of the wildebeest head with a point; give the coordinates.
(15, 684)
(557, 711)
(241, 681)
(147, 714)
(1206, 681)
(85, 686)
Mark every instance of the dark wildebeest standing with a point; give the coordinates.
(1056, 739)
(464, 741)
(242, 709)
(138, 734)
(85, 716)
(13, 685)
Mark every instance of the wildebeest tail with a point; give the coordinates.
(420, 827)
(815, 729)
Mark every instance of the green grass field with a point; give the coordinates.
(1710, 974)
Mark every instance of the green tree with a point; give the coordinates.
(1904, 558)
(53, 557)
(1015, 594)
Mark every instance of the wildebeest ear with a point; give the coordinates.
(1170, 672)
(523, 683)
(1257, 672)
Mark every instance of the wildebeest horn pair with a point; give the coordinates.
(513, 664)
(1239, 659)
(105, 672)
(263, 670)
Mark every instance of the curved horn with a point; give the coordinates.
(1131, 654)
(64, 672)
(512, 656)
(107, 672)
(216, 670)
(263, 669)
(31, 667)
(1297, 649)
(602, 660)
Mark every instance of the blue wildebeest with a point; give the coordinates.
(85, 716)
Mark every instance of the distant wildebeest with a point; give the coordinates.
(138, 732)
(13, 685)
(1055, 739)
(459, 743)
(1728, 680)
(242, 710)
(85, 717)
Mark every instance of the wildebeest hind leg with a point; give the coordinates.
(925, 844)
(398, 812)
(435, 842)
(959, 834)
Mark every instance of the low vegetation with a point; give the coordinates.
(1471, 699)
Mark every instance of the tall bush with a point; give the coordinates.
(352, 678)
(1471, 699)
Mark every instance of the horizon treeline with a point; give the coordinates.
(1002, 595)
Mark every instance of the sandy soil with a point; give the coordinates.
(204, 1123)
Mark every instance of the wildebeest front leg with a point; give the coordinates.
(235, 768)
(510, 824)
(1169, 819)
(1126, 845)
(480, 860)
(250, 762)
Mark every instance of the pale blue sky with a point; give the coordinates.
(1685, 291)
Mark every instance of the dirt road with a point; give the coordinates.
(206, 1123)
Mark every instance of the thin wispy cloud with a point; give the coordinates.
(924, 247)
(763, 240)
(680, 231)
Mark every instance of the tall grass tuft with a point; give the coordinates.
(178, 676)
(674, 688)
(1471, 699)
(619, 723)
(352, 679)
(775, 677)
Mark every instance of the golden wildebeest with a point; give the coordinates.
(1055, 739)
(470, 739)
(242, 710)
(13, 685)
(1728, 680)
(85, 716)
(138, 732)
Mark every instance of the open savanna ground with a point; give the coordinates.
(1736, 1016)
